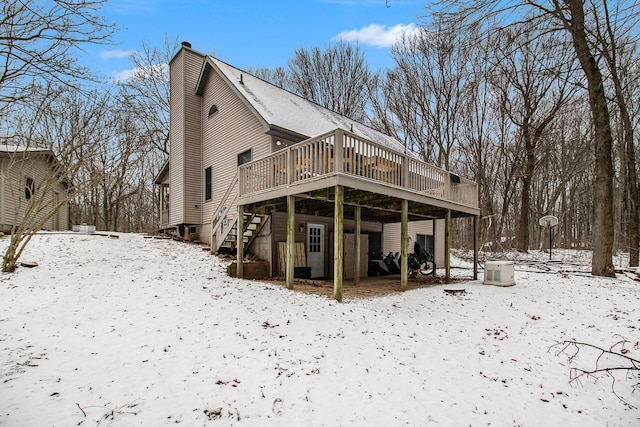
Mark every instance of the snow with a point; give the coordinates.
(4, 148)
(135, 331)
(287, 110)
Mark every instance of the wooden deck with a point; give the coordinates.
(342, 158)
(340, 174)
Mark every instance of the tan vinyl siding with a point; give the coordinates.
(185, 135)
(391, 237)
(15, 201)
(3, 203)
(230, 131)
(192, 141)
(176, 136)
(12, 193)
(63, 211)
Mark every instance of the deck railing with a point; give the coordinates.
(315, 157)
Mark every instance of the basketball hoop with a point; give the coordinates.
(549, 221)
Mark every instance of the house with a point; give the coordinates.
(310, 186)
(30, 185)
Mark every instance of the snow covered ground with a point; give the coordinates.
(136, 331)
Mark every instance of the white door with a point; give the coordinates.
(315, 249)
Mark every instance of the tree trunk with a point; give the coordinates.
(9, 259)
(633, 197)
(602, 262)
(525, 205)
(627, 146)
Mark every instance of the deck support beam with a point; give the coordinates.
(434, 230)
(356, 276)
(291, 241)
(338, 243)
(475, 247)
(240, 243)
(447, 246)
(404, 246)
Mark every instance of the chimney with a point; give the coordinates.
(186, 44)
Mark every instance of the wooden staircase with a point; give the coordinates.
(224, 236)
(252, 225)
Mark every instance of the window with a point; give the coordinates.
(244, 157)
(426, 242)
(29, 187)
(207, 183)
(314, 239)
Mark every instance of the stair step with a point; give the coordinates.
(252, 225)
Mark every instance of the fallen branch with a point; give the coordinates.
(83, 413)
(111, 413)
(618, 361)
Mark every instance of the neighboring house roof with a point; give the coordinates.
(163, 174)
(18, 150)
(280, 108)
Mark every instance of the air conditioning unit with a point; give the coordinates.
(499, 273)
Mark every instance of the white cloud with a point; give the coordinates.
(128, 7)
(152, 72)
(110, 54)
(378, 35)
(123, 76)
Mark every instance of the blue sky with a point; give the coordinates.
(258, 33)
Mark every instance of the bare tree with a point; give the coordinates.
(570, 17)
(533, 84)
(49, 138)
(486, 145)
(429, 80)
(117, 159)
(613, 40)
(115, 169)
(566, 163)
(37, 43)
(38, 39)
(145, 94)
(278, 76)
(335, 78)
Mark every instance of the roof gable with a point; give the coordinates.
(284, 110)
(22, 151)
(18, 151)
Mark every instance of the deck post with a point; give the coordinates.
(447, 246)
(356, 276)
(475, 247)
(434, 230)
(338, 243)
(404, 246)
(404, 171)
(240, 243)
(290, 167)
(338, 151)
(291, 241)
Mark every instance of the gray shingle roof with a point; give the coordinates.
(284, 109)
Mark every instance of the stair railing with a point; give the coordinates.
(220, 214)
